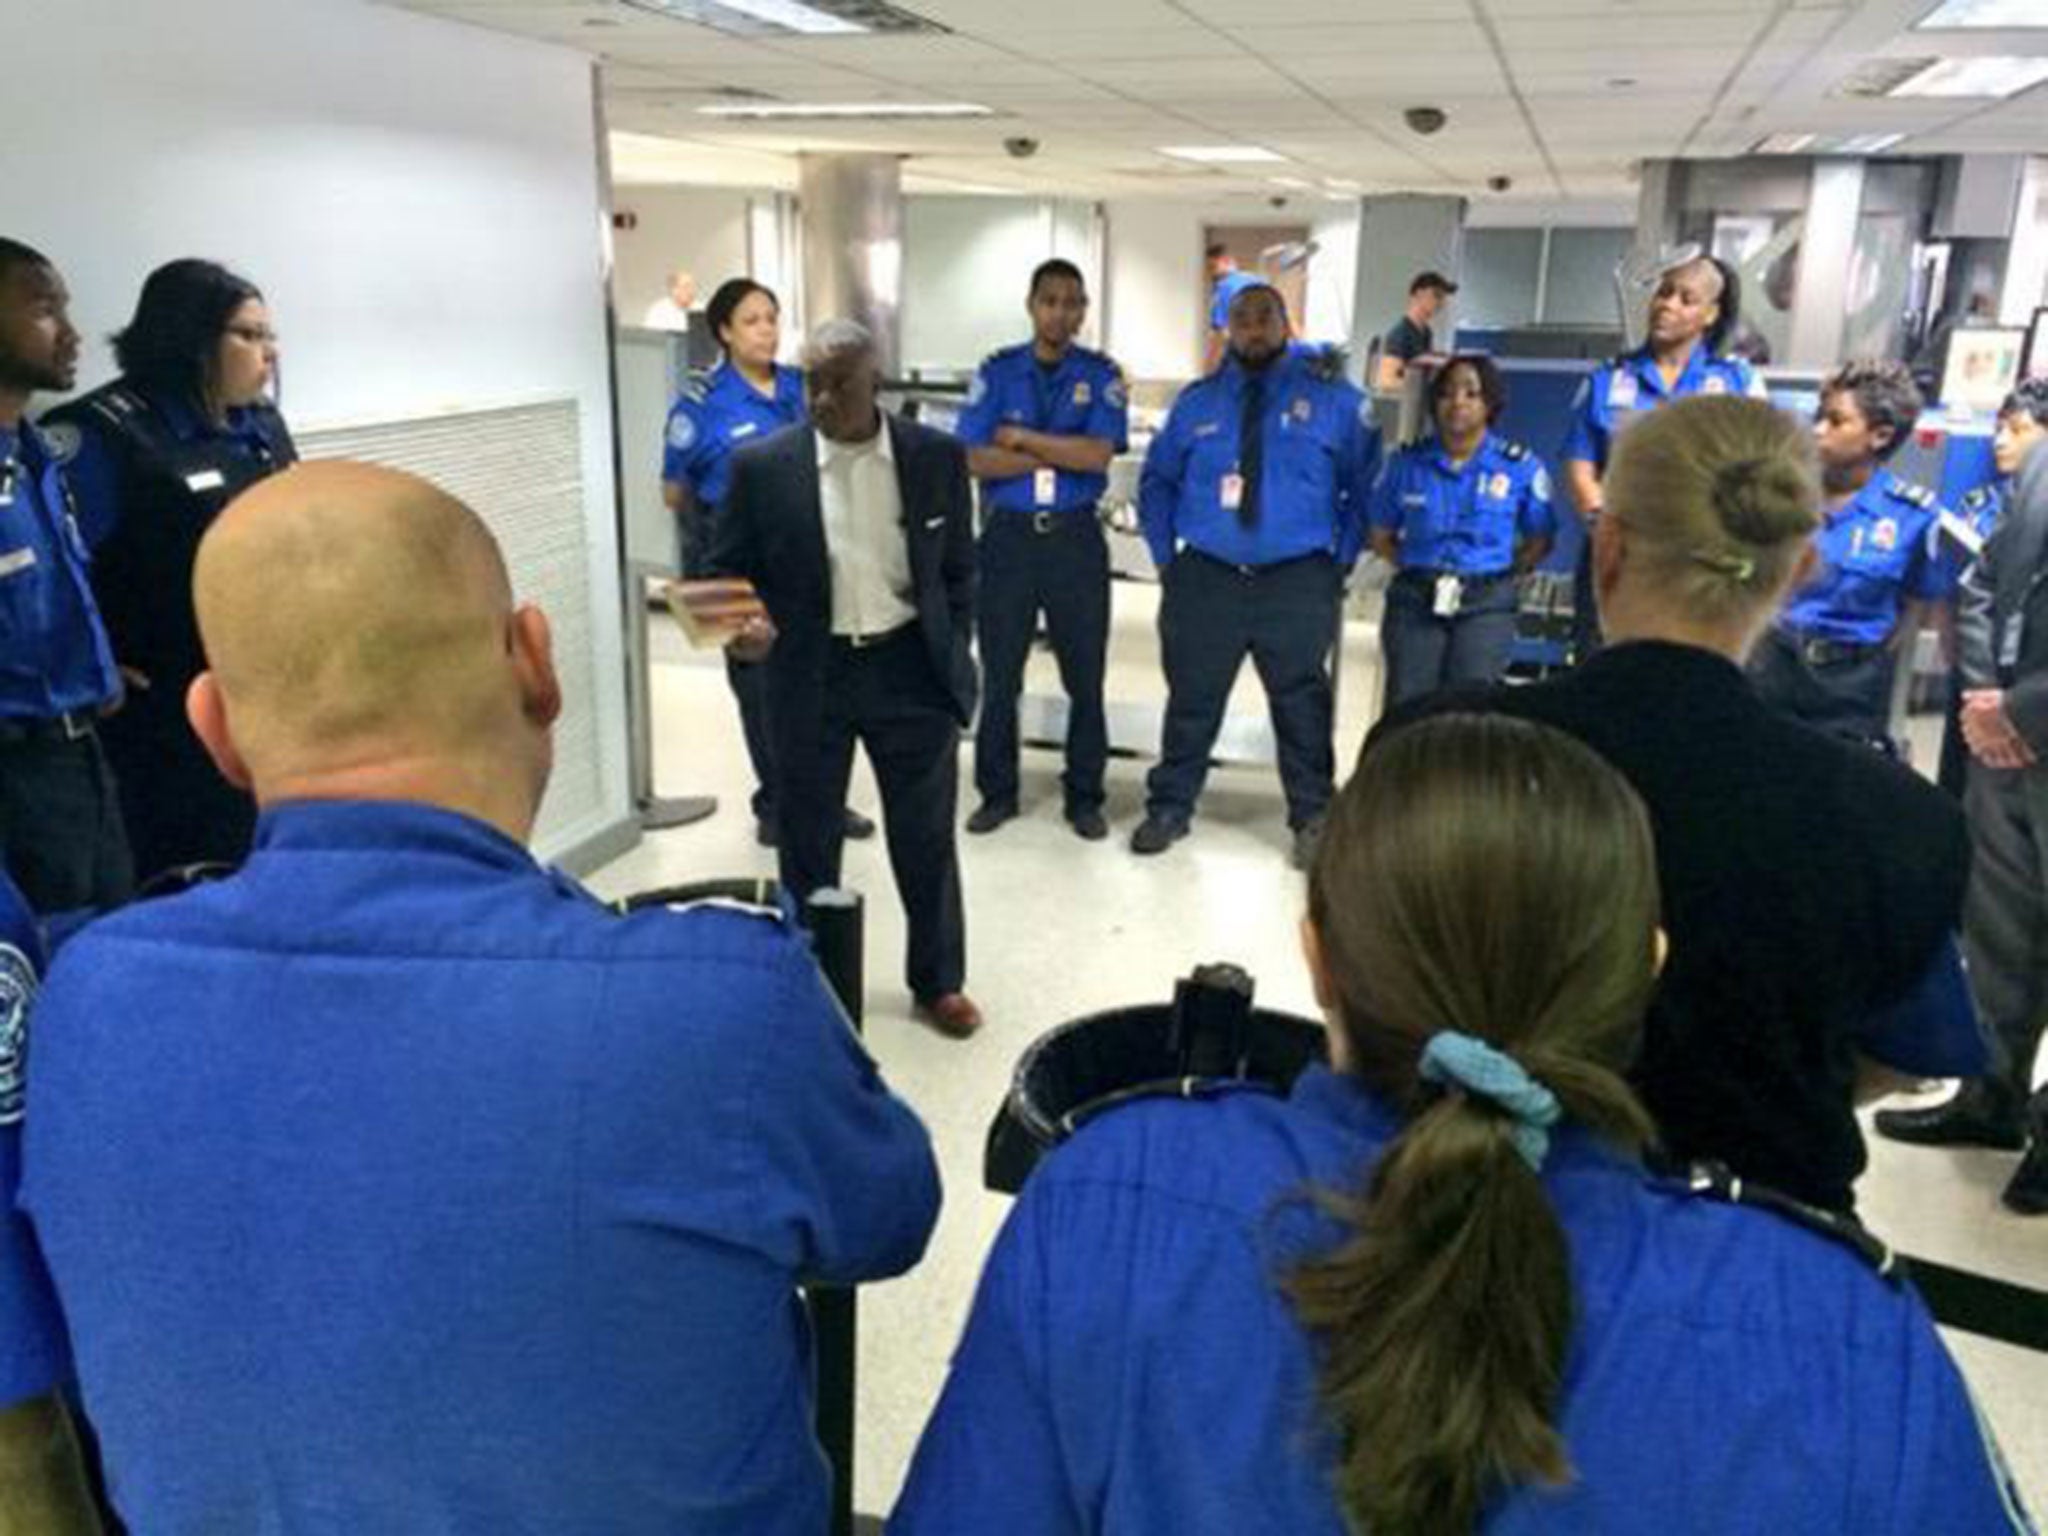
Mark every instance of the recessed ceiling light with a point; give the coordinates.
(1826, 144)
(1222, 154)
(849, 109)
(1783, 144)
(1865, 143)
(2015, 14)
(1292, 183)
(809, 18)
(1990, 75)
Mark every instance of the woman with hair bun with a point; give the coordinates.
(153, 457)
(1812, 887)
(1433, 1290)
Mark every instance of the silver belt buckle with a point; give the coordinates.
(1041, 522)
(77, 725)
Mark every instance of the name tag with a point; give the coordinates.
(205, 480)
(1622, 392)
(1045, 487)
(16, 560)
(1231, 492)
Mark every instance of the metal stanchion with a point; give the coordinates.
(837, 922)
(656, 813)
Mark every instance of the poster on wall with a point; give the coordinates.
(1983, 365)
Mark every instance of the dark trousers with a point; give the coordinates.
(889, 699)
(1851, 696)
(1211, 616)
(1423, 652)
(177, 808)
(749, 683)
(1059, 566)
(1585, 602)
(2005, 917)
(60, 821)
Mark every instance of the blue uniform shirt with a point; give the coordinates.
(443, 1199)
(92, 463)
(1082, 395)
(716, 414)
(54, 656)
(1465, 519)
(1131, 1368)
(1879, 551)
(1223, 293)
(33, 1356)
(1625, 387)
(1320, 454)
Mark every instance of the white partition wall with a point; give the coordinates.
(419, 200)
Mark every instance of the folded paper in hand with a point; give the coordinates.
(712, 611)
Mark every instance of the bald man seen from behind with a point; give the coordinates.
(394, 1184)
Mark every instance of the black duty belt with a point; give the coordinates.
(1817, 652)
(873, 638)
(1046, 522)
(72, 725)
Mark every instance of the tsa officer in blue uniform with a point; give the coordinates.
(471, 1205)
(1693, 312)
(1042, 423)
(61, 836)
(748, 396)
(1831, 657)
(1226, 281)
(1173, 1334)
(1253, 502)
(1460, 514)
(41, 1486)
(153, 457)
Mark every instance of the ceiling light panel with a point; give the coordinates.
(2003, 14)
(1222, 154)
(876, 111)
(1989, 75)
(787, 18)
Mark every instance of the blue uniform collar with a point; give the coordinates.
(189, 424)
(1689, 378)
(1433, 447)
(789, 384)
(366, 826)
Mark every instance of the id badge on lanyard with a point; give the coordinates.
(1449, 596)
(1231, 492)
(1045, 487)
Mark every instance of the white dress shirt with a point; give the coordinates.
(866, 548)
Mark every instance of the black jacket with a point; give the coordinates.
(1808, 883)
(2002, 609)
(771, 530)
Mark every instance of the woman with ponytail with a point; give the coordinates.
(1812, 889)
(1433, 1291)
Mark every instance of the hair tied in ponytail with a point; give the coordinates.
(1465, 1061)
(1740, 569)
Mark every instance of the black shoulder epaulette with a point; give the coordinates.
(1980, 497)
(1327, 364)
(696, 384)
(1714, 1181)
(1919, 495)
(1510, 449)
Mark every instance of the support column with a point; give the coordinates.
(1819, 301)
(851, 213)
(1400, 235)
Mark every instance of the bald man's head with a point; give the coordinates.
(356, 618)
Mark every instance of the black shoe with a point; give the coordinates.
(1089, 824)
(988, 816)
(1307, 838)
(1983, 1113)
(858, 827)
(1157, 833)
(2027, 1193)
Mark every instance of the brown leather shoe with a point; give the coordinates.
(952, 1014)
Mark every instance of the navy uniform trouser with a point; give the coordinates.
(888, 698)
(61, 836)
(1585, 601)
(1057, 564)
(1850, 696)
(1211, 616)
(1424, 652)
(2005, 917)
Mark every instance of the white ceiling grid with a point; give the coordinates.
(1563, 96)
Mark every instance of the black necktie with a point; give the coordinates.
(1251, 448)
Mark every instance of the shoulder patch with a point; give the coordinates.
(978, 390)
(682, 430)
(1714, 1181)
(17, 997)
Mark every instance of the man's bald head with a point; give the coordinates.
(356, 617)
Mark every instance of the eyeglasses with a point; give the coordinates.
(255, 335)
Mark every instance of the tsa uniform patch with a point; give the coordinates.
(17, 994)
(65, 440)
(1715, 385)
(1885, 536)
(1541, 484)
(682, 431)
(1497, 487)
(1302, 410)
(1116, 393)
(1622, 392)
(978, 390)
(1082, 393)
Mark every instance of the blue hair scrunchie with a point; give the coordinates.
(1467, 1062)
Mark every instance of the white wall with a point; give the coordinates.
(419, 199)
(700, 229)
(966, 265)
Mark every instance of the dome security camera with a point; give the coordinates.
(1426, 119)
(1021, 147)
(1499, 183)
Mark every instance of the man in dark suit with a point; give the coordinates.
(857, 532)
(2002, 658)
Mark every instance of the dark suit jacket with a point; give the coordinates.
(771, 530)
(2008, 584)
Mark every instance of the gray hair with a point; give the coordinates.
(836, 338)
